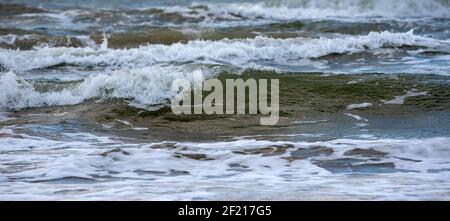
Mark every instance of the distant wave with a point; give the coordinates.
(314, 9)
(295, 9)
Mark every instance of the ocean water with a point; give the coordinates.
(364, 99)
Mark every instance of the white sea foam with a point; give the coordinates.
(401, 98)
(146, 86)
(141, 79)
(359, 106)
(98, 159)
(124, 122)
(270, 10)
(231, 14)
(8, 39)
(319, 9)
(356, 117)
(234, 52)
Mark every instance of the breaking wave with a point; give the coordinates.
(146, 86)
(229, 52)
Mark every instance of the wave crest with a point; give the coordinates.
(146, 86)
(229, 52)
(319, 9)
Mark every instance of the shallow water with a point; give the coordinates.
(364, 96)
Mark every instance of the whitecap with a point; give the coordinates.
(235, 52)
(147, 86)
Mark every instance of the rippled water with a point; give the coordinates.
(364, 96)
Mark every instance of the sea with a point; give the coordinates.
(85, 90)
